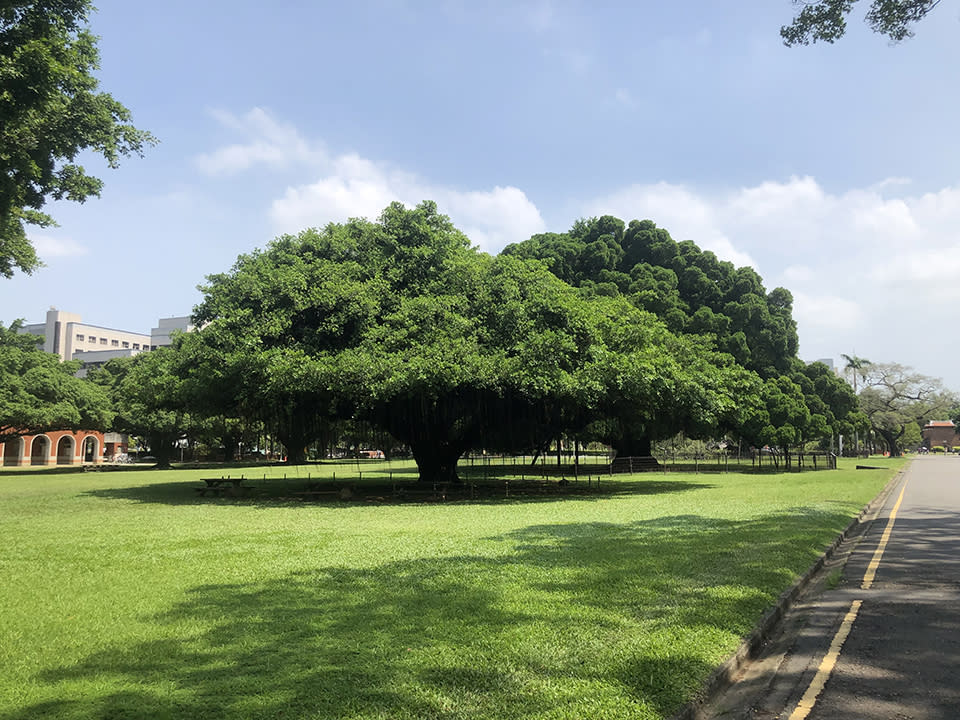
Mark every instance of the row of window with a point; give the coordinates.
(92, 339)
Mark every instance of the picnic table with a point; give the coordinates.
(223, 485)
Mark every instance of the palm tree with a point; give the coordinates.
(858, 366)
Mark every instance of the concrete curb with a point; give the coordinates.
(723, 677)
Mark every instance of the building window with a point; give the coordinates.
(103, 341)
(114, 343)
(92, 339)
(136, 346)
(79, 338)
(125, 344)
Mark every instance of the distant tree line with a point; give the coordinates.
(610, 333)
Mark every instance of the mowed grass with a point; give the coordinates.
(125, 595)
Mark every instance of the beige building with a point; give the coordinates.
(65, 334)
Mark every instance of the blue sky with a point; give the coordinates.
(834, 170)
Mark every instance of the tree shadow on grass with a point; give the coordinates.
(573, 620)
(273, 492)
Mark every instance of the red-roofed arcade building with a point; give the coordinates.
(57, 447)
(940, 433)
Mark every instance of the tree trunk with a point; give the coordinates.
(296, 447)
(230, 442)
(296, 455)
(891, 440)
(161, 445)
(437, 462)
(229, 452)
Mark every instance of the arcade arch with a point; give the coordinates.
(65, 450)
(91, 449)
(13, 451)
(40, 450)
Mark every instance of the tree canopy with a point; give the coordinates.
(689, 289)
(50, 110)
(400, 323)
(826, 20)
(40, 393)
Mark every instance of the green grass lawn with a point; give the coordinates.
(125, 595)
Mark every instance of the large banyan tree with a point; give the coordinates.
(718, 314)
(692, 291)
(400, 323)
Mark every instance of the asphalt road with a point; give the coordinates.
(893, 621)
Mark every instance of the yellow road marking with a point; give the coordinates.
(827, 664)
(878, 553)
(829, 661)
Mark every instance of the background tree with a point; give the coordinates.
(896, 396)
(50, 110)
(40, 393)
(146, 391)
(831, 401)
(826, 20)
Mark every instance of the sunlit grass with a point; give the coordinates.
(126, 595)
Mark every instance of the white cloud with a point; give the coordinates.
(266, 141)
(349, 185)
(355, 187)
(49, 247)
(865, 266)
(494, 218)
(826, 311)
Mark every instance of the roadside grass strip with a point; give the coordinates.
(124, 595)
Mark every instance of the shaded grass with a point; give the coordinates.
(124, 595)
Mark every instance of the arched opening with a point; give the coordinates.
(40, 450)
(90, 449)
(13, 452)
(65, 452)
